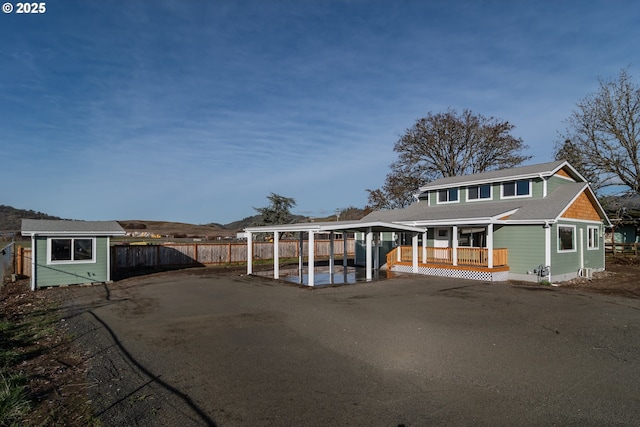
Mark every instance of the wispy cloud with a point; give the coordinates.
(196, 111)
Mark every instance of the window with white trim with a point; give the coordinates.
(71, 250)
(479, 192)
(448, 196)
(593, 241)
(566, 238)
(521, 188)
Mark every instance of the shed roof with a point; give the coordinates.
(49, 227)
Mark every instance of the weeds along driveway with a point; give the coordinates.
(181, 349)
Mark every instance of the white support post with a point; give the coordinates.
(369, 241)
(301, 257)
(414, 255)
(331, 252)
(454, 245)
(424, 247)
(249, 253)
(312, 252)
(276, 255)
(490, 246)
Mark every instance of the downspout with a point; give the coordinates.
(547, 249)
(33, 261)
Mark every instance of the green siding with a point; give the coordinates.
(555, 182)
(626, 234)
(71, 274)
(537, 188)
(569, 262)
(525, 244)
(361, 248)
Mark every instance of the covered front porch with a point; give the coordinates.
(466, 252)
(462, 262)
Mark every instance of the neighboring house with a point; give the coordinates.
(69, 252)
(538, 222)
(624, 213)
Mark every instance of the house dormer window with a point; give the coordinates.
(521, 188)
(449, 195)
(479, 192)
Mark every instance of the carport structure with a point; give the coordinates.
(310, 229)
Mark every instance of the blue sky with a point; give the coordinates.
(195, 111)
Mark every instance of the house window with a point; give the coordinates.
(592, 238)
(566, 238)
(70, 250)
(479, 192)
(448, 196)
(521, 188)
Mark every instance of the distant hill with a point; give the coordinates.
(176, 229)
(11, 218)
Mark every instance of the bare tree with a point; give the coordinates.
(604, 134)
(443, 145)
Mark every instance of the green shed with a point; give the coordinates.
(67, 252)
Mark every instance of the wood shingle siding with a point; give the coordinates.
(582, 208)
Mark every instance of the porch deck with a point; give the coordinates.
(469, 263)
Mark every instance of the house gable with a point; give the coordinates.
(582, 208)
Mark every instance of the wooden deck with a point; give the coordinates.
(469, 258)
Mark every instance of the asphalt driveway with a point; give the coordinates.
(229, 350)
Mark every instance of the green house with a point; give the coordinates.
(69, 252)
(532, 223)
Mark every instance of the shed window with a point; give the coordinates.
(71, 250)
(521, 188)
(566, 238)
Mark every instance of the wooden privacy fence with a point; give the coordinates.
(125, 257)
(185, 254)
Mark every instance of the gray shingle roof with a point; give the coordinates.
(57, 227)
(527, 209)
(497, 175)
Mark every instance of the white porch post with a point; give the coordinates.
(454, 244)
(414, 255)
(312, 252)
(490, 245)
(331, 251)
(276, 255)
(249, 253)
(399, 249)
(301, 257)
(424, 247)
(369, 241)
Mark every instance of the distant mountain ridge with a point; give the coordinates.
(11, 218)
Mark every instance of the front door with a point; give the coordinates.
(441, 243)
